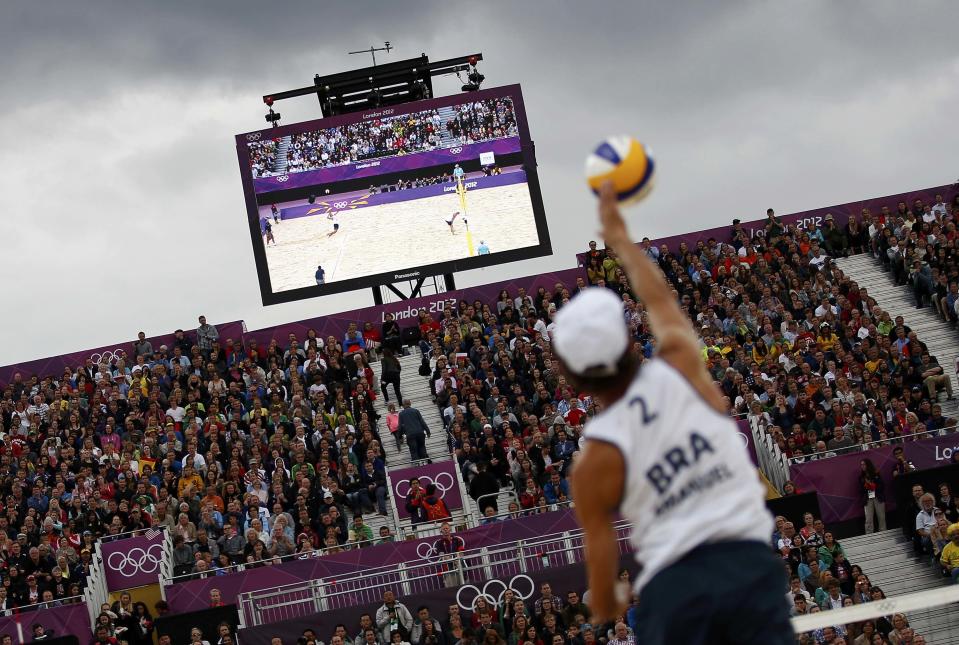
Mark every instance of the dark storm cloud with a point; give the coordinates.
(119, 176)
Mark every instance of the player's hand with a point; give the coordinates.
(613, 226)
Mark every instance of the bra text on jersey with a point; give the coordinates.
(661, 474)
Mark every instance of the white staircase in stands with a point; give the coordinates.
(447, 140)
(282, 150)
(899, 301)
(887, 559)
(415, 388)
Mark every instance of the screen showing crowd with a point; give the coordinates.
(368, 198)
(403, 134)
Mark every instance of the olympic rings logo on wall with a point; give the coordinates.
(439, 482)
(136, 560)
(107, 355)
(254, 137)
(283, 178)
(455, 151)
(497, 601)
(425, 550)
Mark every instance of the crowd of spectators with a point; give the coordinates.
(547, 618)
(483, 120)
(387, 136)
(251, 454)
(821, 578)
(433, 180)
(797, 345)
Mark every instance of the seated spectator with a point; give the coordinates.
(949, 556)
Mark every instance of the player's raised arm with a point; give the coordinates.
(598, 479)
(677, 342)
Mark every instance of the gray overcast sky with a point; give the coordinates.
(120, 186)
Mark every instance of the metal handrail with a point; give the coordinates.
(504, 547)
(898, 439)
(528, 512)
(50, 604)
(239, 567)
(507, 562)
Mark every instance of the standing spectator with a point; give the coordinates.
(390, 374)
(448, 544)
(414, 502)
(393, 423)
(206, 335)
(414, 427)
(483, 488)
(874, 501)
(393, 616)
(142, 346)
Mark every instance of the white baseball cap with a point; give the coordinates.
(591, 332)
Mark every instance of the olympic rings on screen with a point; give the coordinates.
(136, 560)
(254, 137)
(455, 151)
(439, 482)
(283, 178)
(742, 435)
(498, 600)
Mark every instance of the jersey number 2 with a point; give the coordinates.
(646, 417)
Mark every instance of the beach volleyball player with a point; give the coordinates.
(665, 455)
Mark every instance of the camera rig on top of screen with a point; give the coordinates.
(493, 174)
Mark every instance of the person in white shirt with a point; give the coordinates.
(926, 520)
(665, 455)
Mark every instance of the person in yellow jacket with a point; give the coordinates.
(949, 558)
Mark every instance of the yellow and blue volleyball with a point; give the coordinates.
(627, 163)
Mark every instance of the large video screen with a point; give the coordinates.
(392, 194)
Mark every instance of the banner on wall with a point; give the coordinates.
(64, 620)
(193, 595)
(443, 475)
(836, 479)
(133, 561)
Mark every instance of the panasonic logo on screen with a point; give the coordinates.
(400, 276)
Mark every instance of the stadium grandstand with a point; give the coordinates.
(399, 473)
(390, 136)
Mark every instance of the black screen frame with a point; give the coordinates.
(253, 200)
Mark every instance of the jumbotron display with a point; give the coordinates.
(392, 194)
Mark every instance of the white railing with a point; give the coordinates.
(772, 461)
(436, 571)
(96, 593)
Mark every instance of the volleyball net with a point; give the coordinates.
(931, 614)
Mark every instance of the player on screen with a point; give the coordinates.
(320, 274)
(276, 213)
(665, 454)
(450, 219)
(482, 249)
(267, 229)
(336, 224)
(458, 172)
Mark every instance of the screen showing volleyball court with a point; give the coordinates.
(392, 194)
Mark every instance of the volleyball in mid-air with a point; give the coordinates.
(625, 161)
